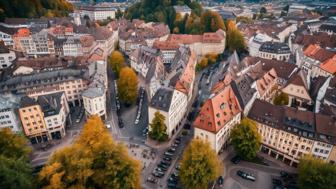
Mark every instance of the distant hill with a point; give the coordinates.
(34, 8)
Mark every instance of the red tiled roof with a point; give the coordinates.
(22, 32)
(329, 65)
(165, 45)
(218, 111)
(314, 51)
(184, 84)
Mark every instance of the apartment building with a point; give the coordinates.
(8, 113)
(6, 56)
(55, 110)
(288, 134)
(94, 100)
(274, 50)
(97, 12)
(32, 120)
(217, 117)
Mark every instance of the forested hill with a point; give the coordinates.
(34, 8)
(159, 10)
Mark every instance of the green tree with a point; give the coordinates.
(281, 99)
(212, 21)
(246, 139)
(15, 169)
(315, 173)
(117, 61)
(93, 161)
(158, 127)
(127, 85)
(199, 165)
(119, 14)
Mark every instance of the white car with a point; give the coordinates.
(108, 126)
(136, 121)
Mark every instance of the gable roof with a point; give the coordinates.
(218, 110)
(162, 99)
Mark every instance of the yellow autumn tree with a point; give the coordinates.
(93, 161)
(199, 165)
(117, 61)
(127, 85)
(234, 38)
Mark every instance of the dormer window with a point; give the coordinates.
(222, 106)
(218, 115)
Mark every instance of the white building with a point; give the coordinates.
(55, 110)
(72, 47)
(172, 104)
(8, 116)
(97, 12)
(6, 57)
(274, 50)
(218, 115)
(94, 99)
(255, 42)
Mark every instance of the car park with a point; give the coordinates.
(245, 175)
(152, 180)
(236, 159)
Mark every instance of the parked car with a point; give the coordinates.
(163, 166)
(160, 169)
(168, 163)
(236, 159)
(158, 174)
(167, 159)
(172, 180)
(168, 154)
(121, 123)
(152, 180)
(283, 174)
(245, 175)
(276, 181)
(78, 120)
(171, 150)
(108, 126)
(220, 181)
(171, 185)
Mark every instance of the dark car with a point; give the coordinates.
(220, 180)
(276, 181)
(163, 167)
(235, 159)
(172, 180)
(171, 185)
(277, 187)
(158, 174)
(245, 175)
(171, 150)
(160, 169)
(168, 163)
(284, 174)
(169, 159)
(120, 123)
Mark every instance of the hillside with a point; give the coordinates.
(34, 8)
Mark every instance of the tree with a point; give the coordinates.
(127, 85)
(315, 173)
(263, 10)
(93, 161)
(235, 39)
(15, 169)
(119, 14)
(158, 128)
(282, 99)
(211, 21)
(199, 165)
(117, 61)
(246, 139)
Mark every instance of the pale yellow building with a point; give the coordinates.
(32, 120)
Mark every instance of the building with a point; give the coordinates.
(182, 10)
(94, 99)
(32, 120)
(167, 50)
(55, 110)
(72, 46)
(255, 42)
(8, 113)
(297, 89)
(288, 134)
(6, 56)
(173, 96)
(172, 104)
(274, 50)
(6, 35)
(97, 12)
(217, 117)
(208, 43)
(317, 61)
